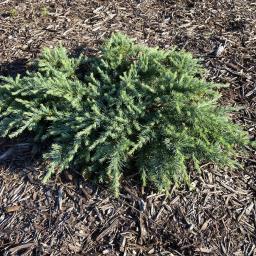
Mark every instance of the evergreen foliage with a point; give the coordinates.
(131, 107)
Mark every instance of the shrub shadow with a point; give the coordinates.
(18, 66)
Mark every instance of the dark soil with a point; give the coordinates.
(69, 216)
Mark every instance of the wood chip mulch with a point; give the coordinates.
(69, 216)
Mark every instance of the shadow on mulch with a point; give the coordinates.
(18, 66)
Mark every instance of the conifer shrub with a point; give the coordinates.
(131, 107)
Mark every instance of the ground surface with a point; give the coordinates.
(71, 217)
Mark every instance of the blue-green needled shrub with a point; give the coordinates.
(133, 108)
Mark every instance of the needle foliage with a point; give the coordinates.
(132, 106)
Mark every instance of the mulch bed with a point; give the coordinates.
(69, 216)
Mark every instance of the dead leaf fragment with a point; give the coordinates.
(13, 208)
